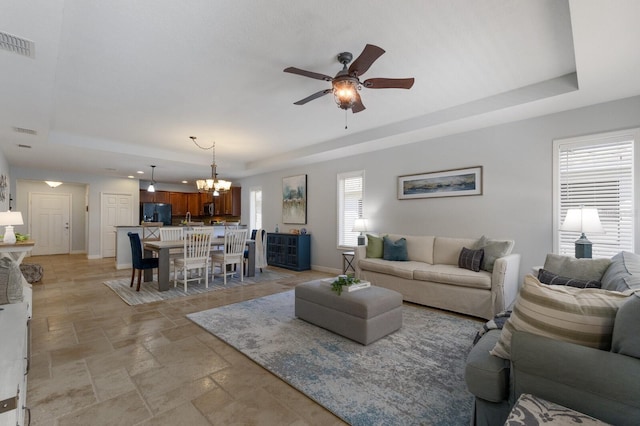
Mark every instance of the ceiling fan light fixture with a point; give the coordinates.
(345, 92)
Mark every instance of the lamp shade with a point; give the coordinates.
(582, 220)
(360, 225)
(11, 218)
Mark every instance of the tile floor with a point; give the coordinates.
(97, 361)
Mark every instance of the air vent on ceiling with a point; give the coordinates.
(17, 45)
(25, 131)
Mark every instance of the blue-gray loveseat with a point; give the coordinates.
(601, 382)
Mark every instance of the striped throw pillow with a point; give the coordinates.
(581, 316)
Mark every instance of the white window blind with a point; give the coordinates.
(350, 206)
(597, 172)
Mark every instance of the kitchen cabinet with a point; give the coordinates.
(178, 201)
(194, 205)
(155, 197)
(230, 202)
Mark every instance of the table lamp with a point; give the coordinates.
(360, 225)
(582, 220)
(9, 219)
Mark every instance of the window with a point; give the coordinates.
(596, 171)
(255, 208)
(350, 206)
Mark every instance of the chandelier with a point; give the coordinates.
(212, 185)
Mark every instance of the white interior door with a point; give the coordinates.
(50, 223)
(117, 210)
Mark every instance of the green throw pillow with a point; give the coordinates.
(395, 250)
(493, 249)
(374, 246)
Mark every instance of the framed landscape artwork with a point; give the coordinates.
(294, 199)
(445, 183)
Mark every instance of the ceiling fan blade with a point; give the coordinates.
(368, 56)
(358, 106)
(389, 83)
(310, 74)
(312, 97)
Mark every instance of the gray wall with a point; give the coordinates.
(78, 194)
(517, 172)
(96, 185)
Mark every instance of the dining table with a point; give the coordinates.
(162, 248)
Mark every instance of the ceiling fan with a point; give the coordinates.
(346, 83)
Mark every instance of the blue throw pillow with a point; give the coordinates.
(395, 250)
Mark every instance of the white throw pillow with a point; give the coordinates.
(581, 316)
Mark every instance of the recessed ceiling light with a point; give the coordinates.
(140, 172)
(130, 177)
(184, 181)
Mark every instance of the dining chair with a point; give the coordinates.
(232, 253)
(196, 249)
(258, 236)
(138, 262)
(172, 233)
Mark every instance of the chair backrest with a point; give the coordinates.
(234, 242)
(171, 233)
(197, 244)
(136, 250)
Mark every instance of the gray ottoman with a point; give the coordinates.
(364, 315)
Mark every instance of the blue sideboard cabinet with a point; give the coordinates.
(289, 251)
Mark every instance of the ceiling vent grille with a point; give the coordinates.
(25, 131)
(17, 45)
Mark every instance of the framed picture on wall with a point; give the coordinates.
(444, 183)
(294, 199)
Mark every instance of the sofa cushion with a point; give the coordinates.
(582, 269)
(446, 251)
(10, 281)
(450, 274)
(493, 249)
(470, 259)
(546, 277)
(419, 247)
(581, 316)
(375, 247)
(395, 268)
(394, 250)
(623, 273)
(626, 338)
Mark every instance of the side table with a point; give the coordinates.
(347, 262)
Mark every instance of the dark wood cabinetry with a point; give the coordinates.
(179, 203)
(289, 251)
(226, 204)
(155, 197)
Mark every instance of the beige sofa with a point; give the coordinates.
(431, 276)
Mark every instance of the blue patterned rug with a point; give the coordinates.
(413, 376)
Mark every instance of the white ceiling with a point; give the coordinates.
(118, 85)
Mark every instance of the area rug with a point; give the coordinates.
(149, 291)
(413, 376)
